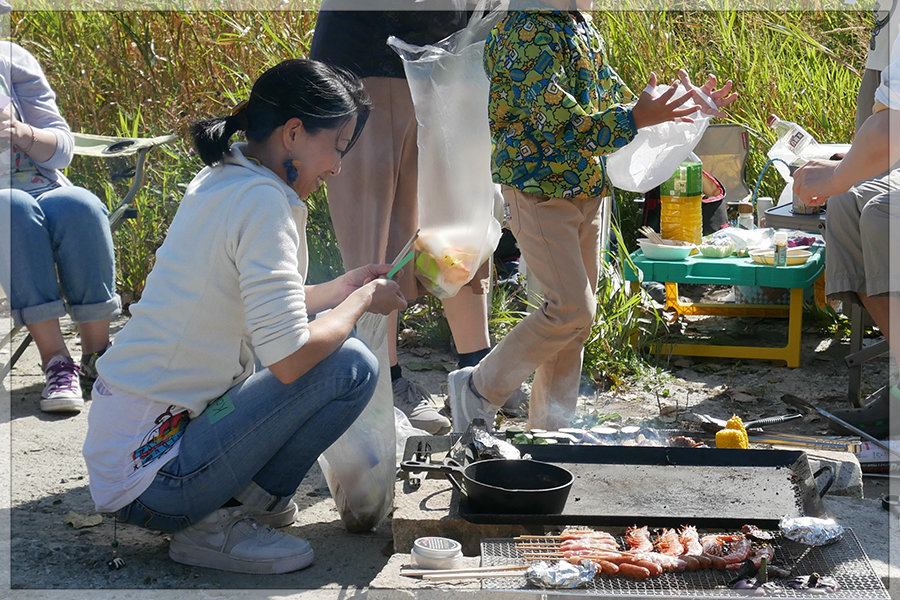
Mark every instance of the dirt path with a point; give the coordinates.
(48, 479)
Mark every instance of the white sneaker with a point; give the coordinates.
(415, 402)
(228, 539)
(62, 393)
(282, 518)
(465, 406)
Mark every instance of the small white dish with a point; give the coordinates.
(436, 553)
(677, 250)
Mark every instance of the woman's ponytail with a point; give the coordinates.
(211, 137)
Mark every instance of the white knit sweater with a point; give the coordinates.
(228, 282)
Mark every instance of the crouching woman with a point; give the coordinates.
(184, 434)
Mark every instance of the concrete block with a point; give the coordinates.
(426, 510)
(847, 472)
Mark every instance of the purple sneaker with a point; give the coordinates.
(63, 390)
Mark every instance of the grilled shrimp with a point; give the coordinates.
(638, 539)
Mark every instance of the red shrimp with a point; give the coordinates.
(765, 551)
(638, 539)
(668, 542)
(738, 551)
(715, 543)
(690, 539)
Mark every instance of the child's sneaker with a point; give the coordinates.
(465, 404)
(230, 540)
(63, 390)
(415, 402)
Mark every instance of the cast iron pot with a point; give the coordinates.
(515, 487)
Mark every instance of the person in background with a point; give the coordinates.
(185, 434)
(556, 107)
(882, 38)
(374, 202)
(58, 256)
(863, 195)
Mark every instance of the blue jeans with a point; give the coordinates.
(257, 441)
(59, 241)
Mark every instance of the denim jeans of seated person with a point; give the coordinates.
(260, 443)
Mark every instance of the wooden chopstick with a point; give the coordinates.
(471, 575)
(428, 573)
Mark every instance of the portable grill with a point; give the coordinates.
(845, 560)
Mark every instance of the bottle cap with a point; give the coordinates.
(771, 120)
(781, 237)
(745, 207)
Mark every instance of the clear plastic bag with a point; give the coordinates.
(360, 467)
(656, 151)
(458, 231)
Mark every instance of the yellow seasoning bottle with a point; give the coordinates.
(681, 213)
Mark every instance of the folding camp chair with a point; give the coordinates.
(723, 149)
(128, 161)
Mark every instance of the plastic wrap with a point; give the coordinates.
(360, 466)
(656, 151)
(456, 194)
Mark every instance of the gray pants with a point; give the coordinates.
(857, 239)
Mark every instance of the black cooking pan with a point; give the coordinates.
(514, 487)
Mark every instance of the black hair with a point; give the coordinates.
(322, 97)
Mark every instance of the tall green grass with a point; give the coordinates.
(150, 73)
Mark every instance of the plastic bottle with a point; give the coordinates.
(780, 259)
(794, 145)
(745, 216)
(681, 213)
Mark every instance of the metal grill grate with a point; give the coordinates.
(845, 560)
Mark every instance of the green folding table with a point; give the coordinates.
(733, 270)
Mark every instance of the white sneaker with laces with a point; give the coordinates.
(229, 540)
(62, 393)
(465, 405)
(282, 518)
(415, 402)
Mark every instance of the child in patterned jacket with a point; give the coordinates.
(556, 107)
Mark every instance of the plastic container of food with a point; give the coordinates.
(677, 250)
(767, 256)
(436, 553)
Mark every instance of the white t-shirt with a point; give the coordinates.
(123, 455)
(888, 93)
(228, 284)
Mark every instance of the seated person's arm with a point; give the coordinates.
(872, 153)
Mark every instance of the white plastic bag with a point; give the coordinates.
(458, 231)
(405, 430)
(656, 151)
(360, 467)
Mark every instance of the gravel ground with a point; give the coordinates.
(50, 558)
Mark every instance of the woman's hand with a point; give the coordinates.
(385, 297)
(354, 279)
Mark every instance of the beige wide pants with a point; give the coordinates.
(373, 201)
(559, 239)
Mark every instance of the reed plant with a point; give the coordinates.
(149, 73)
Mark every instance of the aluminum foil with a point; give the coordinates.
(562, 575)
(488, 446)
(810, 530)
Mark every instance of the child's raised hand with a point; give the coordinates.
(720, 97)
(651, 109)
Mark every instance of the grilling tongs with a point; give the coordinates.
(712, 424)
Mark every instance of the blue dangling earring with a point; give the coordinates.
(290, 170)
